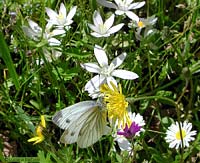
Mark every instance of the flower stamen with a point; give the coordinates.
(116, 103)
(178, 134)
(140, 24)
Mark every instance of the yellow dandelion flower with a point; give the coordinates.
(116, 104)
(39, 132)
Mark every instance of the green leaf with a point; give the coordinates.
(5, 54)
(119, 158)
(44, 159)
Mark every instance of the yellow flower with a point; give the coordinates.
(39, 135)
(116, 104)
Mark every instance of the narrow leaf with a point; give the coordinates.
(5, 54)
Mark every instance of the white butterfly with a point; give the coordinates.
(84, 123)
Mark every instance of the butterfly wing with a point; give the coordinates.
(67, 116)
(71, 119)
(84, 123)
(72, 132)
(94, 128)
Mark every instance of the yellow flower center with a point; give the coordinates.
(60, 16)
(140, 24)
(102, 28)
(116, 104)
(178, 134)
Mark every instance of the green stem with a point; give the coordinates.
(179, 119)
(134, 99)
(149, 67)
(164, 86)
(22, 159)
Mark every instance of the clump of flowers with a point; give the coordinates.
(39, 132)
(175, 134)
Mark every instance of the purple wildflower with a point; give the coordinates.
(130, 132)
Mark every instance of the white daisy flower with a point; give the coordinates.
(174, 135)
(106, 73)
(61, 19)
(102, 29)
(123, 7)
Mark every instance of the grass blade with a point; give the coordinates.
(5, 54)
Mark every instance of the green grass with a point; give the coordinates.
(167, 90)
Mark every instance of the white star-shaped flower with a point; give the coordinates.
(106, 72)
(35, 32)
(123, 7)
(174, 135)
(141, 23)
(61, 19)
(102, 29)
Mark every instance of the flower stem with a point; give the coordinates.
(134, 99)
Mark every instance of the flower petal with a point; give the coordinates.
(123, 143)
(129, 2)
(119, 12)
(94, 91)
(56, 53)
(52, 14)
(107, 4)
(34, 139)
(111, 79)
(94, 83)
(118, 60)
(91, 67)
(71, 13)
(94, 28)
(30, 33)
(97, 18)
(109, 22)
(136, 5)
(57, 32)
(100, 56)
(43, 122)
(53, 42)
(95, 34)
(124, 74)
(34, 26)
(62, 10)
(115, 28)
(119, 2)
(132, 16)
